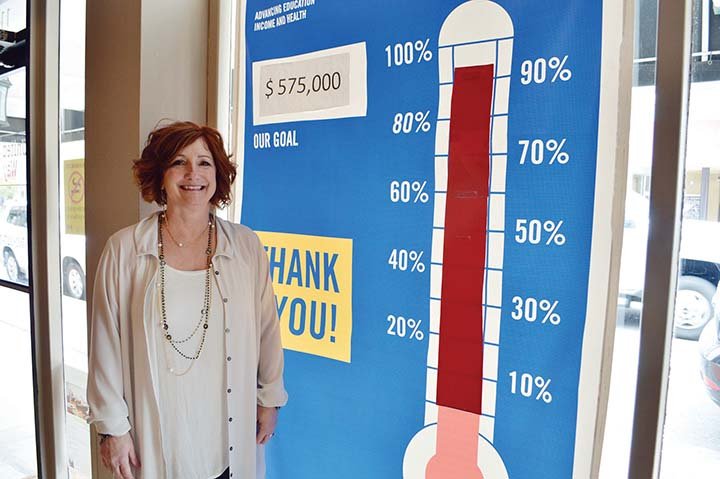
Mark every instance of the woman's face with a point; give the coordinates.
(189, 181)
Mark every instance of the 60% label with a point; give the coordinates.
(303, 85)
(408, 192)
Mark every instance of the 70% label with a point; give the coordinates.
(533, 151)
(530, 386)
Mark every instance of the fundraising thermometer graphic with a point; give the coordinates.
(474, 60)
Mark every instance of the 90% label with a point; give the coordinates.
(536, 71)
(408, 53)
(411, 122)
(303, 85)
(528, 309)
(537, 231)
(405, 327)
(407, 192)
(404, 260)
(530, 386)
(534, 152)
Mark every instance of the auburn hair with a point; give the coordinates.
(163, 145)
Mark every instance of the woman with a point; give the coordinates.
(185, 371)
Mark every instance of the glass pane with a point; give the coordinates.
(72, 233)
(17, 415)
(13, 178)
(691, 444)
(621, 405)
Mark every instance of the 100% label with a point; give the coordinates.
(303, 85)
(530, 386)
(404, 327)
(408, 53)
(532, 309)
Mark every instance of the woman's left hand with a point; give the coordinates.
(266, 422)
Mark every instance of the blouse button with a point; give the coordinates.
(217, 272)
(229, 358)
(229, 419)
(231, 448)
(224, 300)
(229, 390)
(227, 330)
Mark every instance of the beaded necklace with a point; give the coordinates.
(205, 313)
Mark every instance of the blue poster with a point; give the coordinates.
(422, 174)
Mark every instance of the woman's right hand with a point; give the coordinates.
(118, 454)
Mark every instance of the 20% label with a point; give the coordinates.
(303, 85)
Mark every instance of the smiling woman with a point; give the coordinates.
(185, 369)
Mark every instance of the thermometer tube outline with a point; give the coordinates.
(474, 58)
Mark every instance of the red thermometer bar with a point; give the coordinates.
(460, 357)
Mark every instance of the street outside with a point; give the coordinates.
(691, 440)
(17, 429)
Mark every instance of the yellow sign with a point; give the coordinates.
(312, 279)
(74, 186)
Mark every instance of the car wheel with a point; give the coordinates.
(11, 266)
(74, 280)
(693, 306)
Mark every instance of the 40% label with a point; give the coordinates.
(404, 260)
(303, 85)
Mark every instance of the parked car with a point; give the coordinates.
(14, 247)
(13, 241)
(699, 269)
(709, 346)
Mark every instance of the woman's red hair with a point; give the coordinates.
(161, 147)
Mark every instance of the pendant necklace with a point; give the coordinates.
(202, 324)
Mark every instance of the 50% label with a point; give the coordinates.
(303, 85)
(535, 231)
(531, 386)
(530, 309)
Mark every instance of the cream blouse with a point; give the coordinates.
(123, 386)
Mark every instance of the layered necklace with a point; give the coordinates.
(202, 325)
